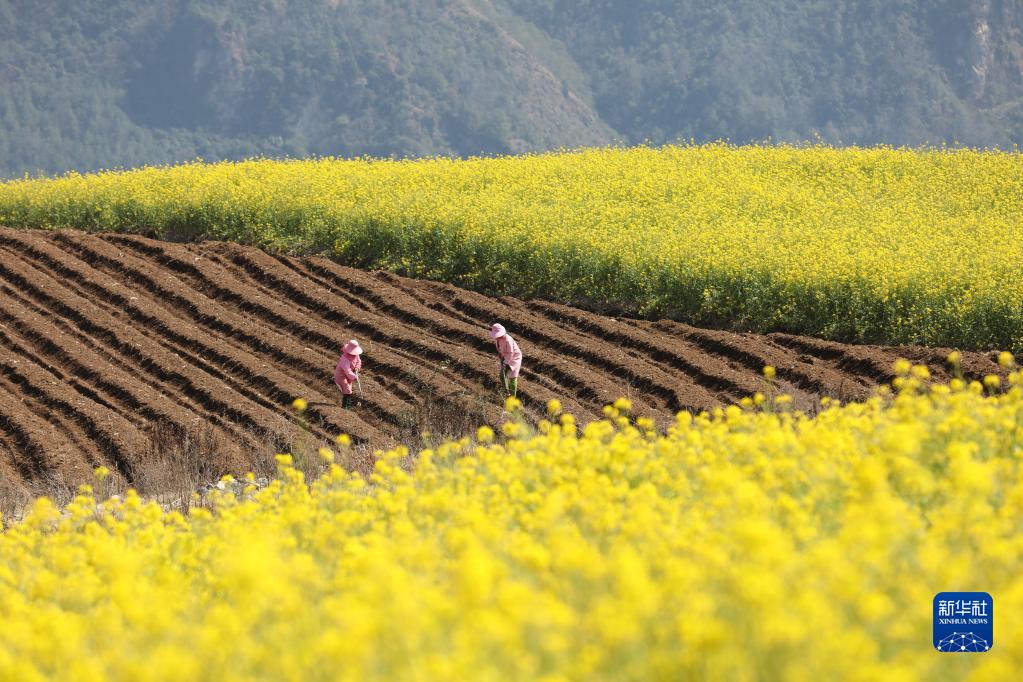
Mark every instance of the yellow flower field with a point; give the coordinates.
(855, 244)
(747, 544)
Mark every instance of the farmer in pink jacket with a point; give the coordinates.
(509, 356)
(347, 371)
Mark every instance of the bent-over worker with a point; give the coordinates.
(347, 371)
(509, 356)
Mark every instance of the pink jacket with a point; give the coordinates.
(510, 354)
(346, 372)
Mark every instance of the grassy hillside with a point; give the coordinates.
(108, 83)
(852, 244)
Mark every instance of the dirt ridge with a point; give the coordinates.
(106, 339)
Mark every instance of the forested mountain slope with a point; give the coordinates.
(102, 83)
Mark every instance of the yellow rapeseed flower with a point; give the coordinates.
(623, 405)
(917, 240)
(558, 555)
(485, 434)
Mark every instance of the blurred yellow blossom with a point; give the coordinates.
(737, 544)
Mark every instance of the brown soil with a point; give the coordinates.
(114, 348)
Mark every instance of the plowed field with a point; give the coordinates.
(115, 347)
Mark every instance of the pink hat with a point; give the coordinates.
(497, 331)
(352, 348)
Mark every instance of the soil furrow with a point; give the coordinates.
(112, 360)
(129, 341)
(396, 346)
(185, 324)
(96, 431)
(110, 341)
(274, 310)
(40, 449)
(649, 381)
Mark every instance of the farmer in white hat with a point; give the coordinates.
(509, 356)
(347, 371)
